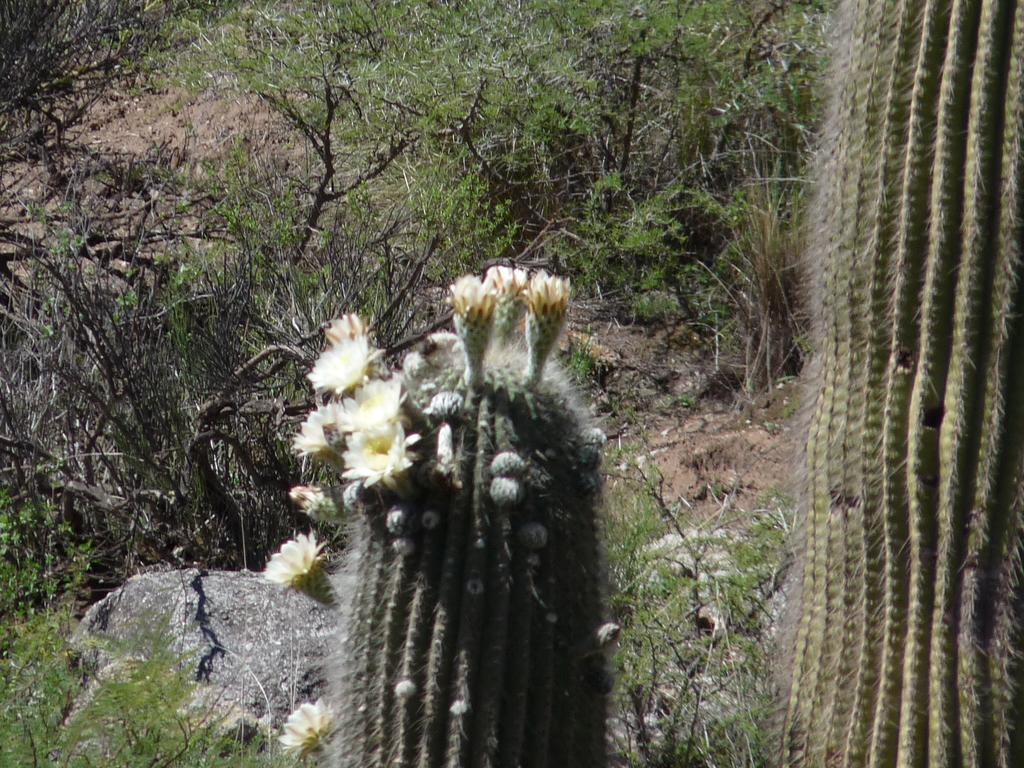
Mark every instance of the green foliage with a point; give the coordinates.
(135, 716)
(39, 557)
(271, 224)
(694, 598)
(476, 229)
(607, 132)
(655, 307)
(37, 685)
(580, 361)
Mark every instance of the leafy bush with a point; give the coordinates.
(137, 716)
(695, 600)
(39, 557)
(56, 57)
(609, 137)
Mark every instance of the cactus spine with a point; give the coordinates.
(908, 648)
(473, 590)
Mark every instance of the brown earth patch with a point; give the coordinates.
(136, 163)
(669, 406)
(202, 127)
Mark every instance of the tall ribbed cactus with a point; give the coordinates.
(908, 650)
(473, 588)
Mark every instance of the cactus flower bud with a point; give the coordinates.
(314, 502)
(345, 328)
(473, 304)
(509, 288)
(548, 300)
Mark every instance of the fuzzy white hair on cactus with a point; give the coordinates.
(318, 434)
(306, 728)
(381, 455)
(405, 688)
(376, 404)
(345, 328)
(344, 366)
(295, 562)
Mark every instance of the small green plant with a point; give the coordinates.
(686, 400)
(789, 410)
(581, 362)
(695, 601)
(39, 557)
(655, 307)
(138, 713)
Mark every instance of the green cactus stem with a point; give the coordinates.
(473, 590)
(909, 643)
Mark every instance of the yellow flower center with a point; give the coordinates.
(377, 452)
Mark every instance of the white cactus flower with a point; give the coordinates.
(306, 728)
(375, 405)
(319, 432)
(345, 328)
(296, 562)
(506, 281)
(344, 366)
(472, 300)
(548, 300)
(381, 455)
(548, 296)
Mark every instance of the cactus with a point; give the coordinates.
(909, 646)
(473, 585)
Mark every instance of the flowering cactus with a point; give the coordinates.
(475, 576)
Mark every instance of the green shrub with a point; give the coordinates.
(655, 307)
(695, 600)
(610, 134)
(39, 557)
(133, 717)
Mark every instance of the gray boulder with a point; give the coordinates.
(253, 648)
